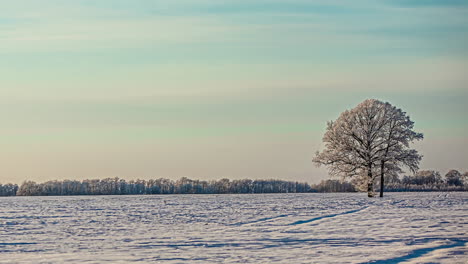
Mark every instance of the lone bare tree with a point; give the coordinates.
(372, 138)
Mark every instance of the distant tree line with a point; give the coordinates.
(8, 189)
(426, 180)
(421, 181)
(326, 186)
(116, 186)
(429, 180)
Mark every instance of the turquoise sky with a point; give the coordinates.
(209, 89)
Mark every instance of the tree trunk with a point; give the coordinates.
(370, 183)
(382, 167)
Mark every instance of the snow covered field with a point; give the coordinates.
(270, 228)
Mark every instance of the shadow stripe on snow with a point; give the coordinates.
(260, 220)
(325, 216)
(418, 253)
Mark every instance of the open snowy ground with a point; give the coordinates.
(279, 228)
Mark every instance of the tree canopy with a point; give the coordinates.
(372, 138)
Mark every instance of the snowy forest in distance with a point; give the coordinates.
(425, 180)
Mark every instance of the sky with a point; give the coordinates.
(211, 89)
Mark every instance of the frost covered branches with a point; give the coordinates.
(372, 138)
(454, 177)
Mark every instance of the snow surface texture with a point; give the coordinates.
(270, 228)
